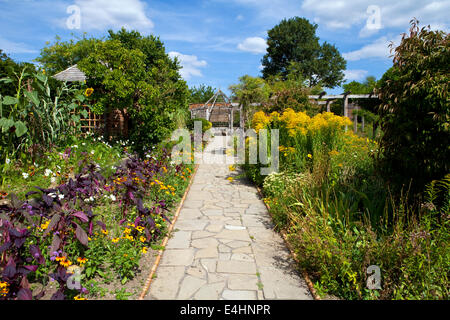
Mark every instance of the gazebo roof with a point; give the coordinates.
(71, 74)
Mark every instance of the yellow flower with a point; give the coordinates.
(105, 232)
(310, 156)
(115, 240)
(232, 168)
(260, 121)
(89, 92)
(144, 250)
(79, 298)
(45, 225)
(3, 288)
(143, 239)
(230, 179)
(127, 231)
(82, 260)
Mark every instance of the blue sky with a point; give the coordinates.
(218, 41)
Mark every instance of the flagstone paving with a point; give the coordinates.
(224, 245)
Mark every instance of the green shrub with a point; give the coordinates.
(336, 243)
(415, 110)
(206, 125)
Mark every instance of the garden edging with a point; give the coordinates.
(164, 243)
(293, 254)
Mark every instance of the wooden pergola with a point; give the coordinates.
(214, 103)
(329, 99)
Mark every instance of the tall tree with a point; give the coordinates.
(201, 94)
(129, 72)
(11, 69)
(249, 90)
(7, 69)
(295, 41)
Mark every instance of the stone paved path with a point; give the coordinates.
(224, 246)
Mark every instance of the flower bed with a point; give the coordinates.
(95, 224)
(340, 217)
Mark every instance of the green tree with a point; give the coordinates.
(290, 93)
(131, 73)
(7, 69)
(248, 91)
(366, 87)
(415, 111)
(12, 70)
(201, 94)
(61, 55)
(295, 41)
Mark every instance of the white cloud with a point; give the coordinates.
(355, 74)
(190, 63)
(378, 49)
(15, 47)
(254, 45)
(103, 14)
(240, 17)
(345, 14)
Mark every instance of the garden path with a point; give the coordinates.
(224, 245)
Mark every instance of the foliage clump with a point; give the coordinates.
(415, 110)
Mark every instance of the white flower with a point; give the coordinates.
(52, 195)
(36, 165)
(61, 196)
(113, 167)
(113, 197)
(48, 172)
(84, 143)
(147, 156)
(8, 161)
(25, 175)
(92, 152)
(75, 146)
(90, 199)
(52, 179)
